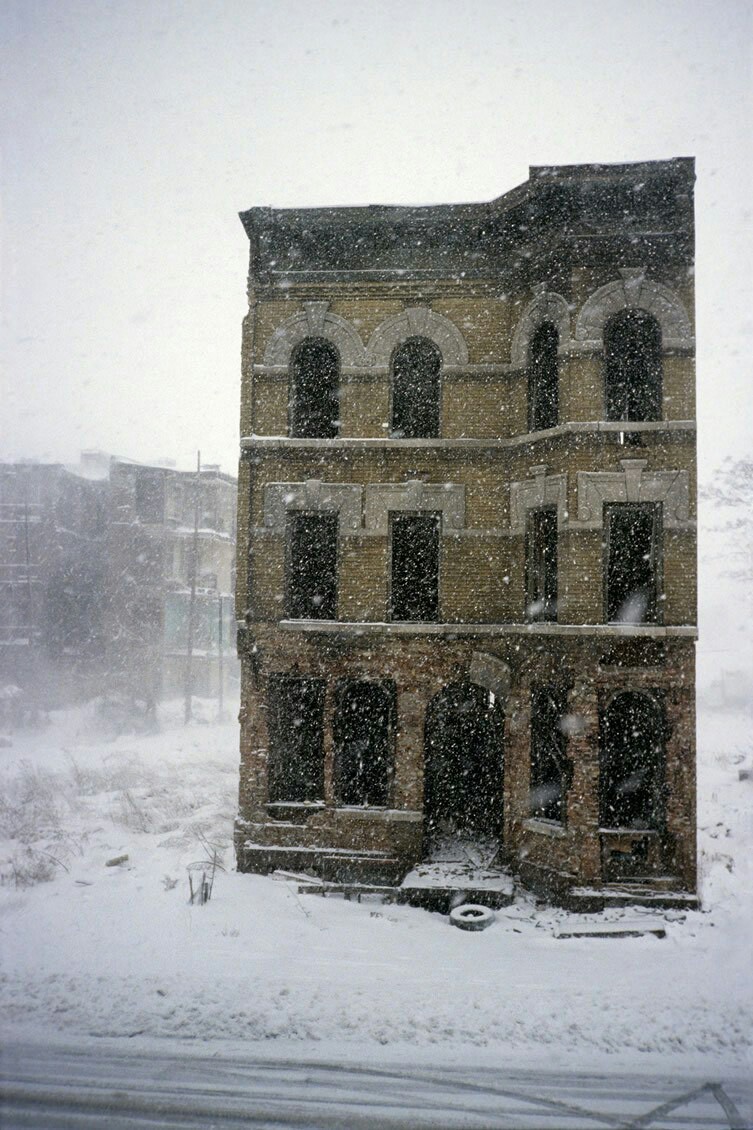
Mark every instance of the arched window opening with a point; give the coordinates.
(631, 755)
(363, 732)
(633, 367)
(416, 366)
(315, 389)
(543, 382)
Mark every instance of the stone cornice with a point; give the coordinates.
(453, 630)
(462, 444)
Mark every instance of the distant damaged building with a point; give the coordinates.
(467, 540)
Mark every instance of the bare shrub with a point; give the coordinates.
(30, 866)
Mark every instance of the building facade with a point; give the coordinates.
(466, 584)
(97, 562)
(52, 567)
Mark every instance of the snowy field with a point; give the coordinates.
(95, 951)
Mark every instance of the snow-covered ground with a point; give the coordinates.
(91, 950)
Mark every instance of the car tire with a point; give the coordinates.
(469, 916)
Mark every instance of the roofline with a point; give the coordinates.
(252, 217)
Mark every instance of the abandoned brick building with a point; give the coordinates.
(466, 540)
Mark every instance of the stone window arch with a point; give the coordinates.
(314, 389)
(546, 306)
(417, 321)
(632, 366)
(314, 320)
(415, 368)
(634, 291)
(543, 377)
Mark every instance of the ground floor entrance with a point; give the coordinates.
(463, 763)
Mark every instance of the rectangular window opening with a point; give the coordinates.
(632, 562)
(296, 738)
(312, 567)
(414, 592)
(541, 565)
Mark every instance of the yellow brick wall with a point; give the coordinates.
(472, 588)
(679, 553)
(363, 578)
(364, 408)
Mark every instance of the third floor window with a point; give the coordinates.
(416, 366)
(314, 389)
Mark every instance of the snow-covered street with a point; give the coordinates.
(117, 952)
(87, 1082)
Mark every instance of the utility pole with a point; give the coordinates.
(192, 599)
(220, 664)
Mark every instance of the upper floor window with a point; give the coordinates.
(315, 389)
(416, 366)
(632, 367)
(150, 497)
(632, 559)
(312, 567)
(414, 591)
(541, 564)
(543, 385)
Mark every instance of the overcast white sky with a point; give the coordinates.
(135, 132)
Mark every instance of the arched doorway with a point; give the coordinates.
(463, 762)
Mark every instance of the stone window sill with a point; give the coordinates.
(545, 827)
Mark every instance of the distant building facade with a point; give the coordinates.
(467, 541)
(98, 563)
(52, 569)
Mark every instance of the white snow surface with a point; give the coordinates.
(90, 950)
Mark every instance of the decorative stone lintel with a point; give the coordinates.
(532, 494)
(633, 484)
(382, 498)
(313, 496)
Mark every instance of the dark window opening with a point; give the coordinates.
(631, 758)
(363, 733)
(550, 768)
(150, 497)
(415, 567)
(416, 367)
(543, 384)
(632, 531)
(314, 389)
(312, 567)
(633, 367)
(464, 762)
(541, 564)
(296, 738)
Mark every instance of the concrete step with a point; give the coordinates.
(659, 896)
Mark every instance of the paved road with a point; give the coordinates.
(88, 1086)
